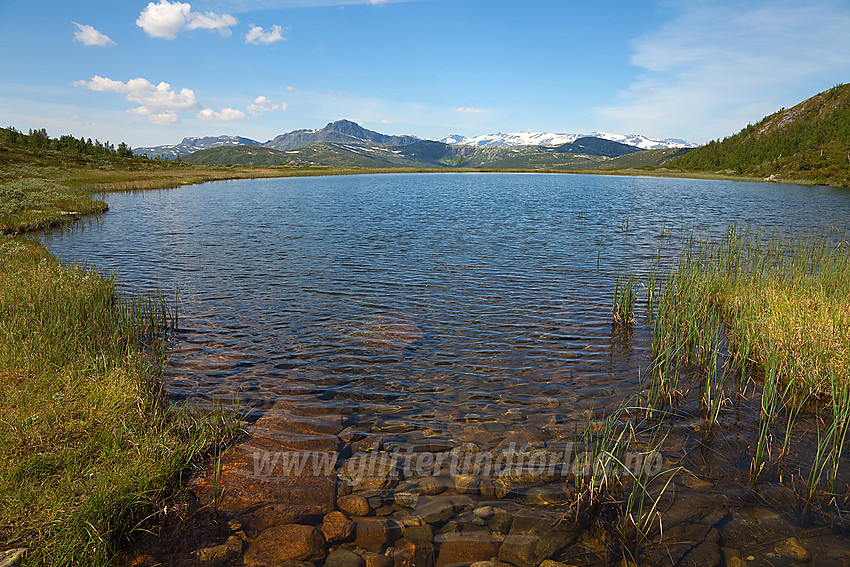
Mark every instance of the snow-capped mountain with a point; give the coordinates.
(551, 139)
(193, 144)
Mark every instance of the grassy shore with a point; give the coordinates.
(89, 448)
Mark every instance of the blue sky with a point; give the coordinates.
(150, 73)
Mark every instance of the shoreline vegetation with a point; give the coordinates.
(90, 449)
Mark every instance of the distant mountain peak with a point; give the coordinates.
(341, 131)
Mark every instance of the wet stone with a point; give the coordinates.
(219, 554)
(432, 485)
(371, 472)
(449, 528)
(706, 554)
(733, 557)
(351, 434)
(696, 483)
(337, 528)
(460, 549)
(374, 534)
(354, 505)
(466, 484)
(419, 533)
(436, 511)
(793, 549)
(406, 499)
(533, 537)
(284, 543)
(487, 489)
(344, 558)
(501, 521)
(413, 554)
(373, 559)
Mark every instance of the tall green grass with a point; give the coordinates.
(759, 304)
(89, 447)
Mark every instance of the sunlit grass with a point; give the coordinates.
(774, 306)
(89, 448)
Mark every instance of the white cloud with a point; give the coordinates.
(159, 103)
(87, 35)
(714, 67)
(257, 35)
(468, 110)
(167, 19)
(261, 104)
(226, 115)
(211, 21)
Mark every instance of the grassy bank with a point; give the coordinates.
(88, 446)
(753, 309)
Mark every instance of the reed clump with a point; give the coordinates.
(89, 447)
(775, 306)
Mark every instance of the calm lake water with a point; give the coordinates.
(417, 301)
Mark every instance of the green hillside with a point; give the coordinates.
(430, 154)
(810, 141)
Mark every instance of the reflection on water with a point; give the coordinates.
(422, 304)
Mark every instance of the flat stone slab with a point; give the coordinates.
(284, 473)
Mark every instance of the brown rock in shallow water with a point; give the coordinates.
(285, 543)
(344, 558)
(376, 559)
(706, 554)
(462, 549)
(793, 549)
(410, 554)
(374, 534)
(284, 474)
(354, 505)
(337, 528)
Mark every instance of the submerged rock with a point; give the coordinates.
(337, 528)
(461, 549)
(413, 554)
(344, 558)
(374, 534)
(533, 538)
(793, 549)
(354, 505)
(286, 543)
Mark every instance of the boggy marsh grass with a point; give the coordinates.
(89, 448)
(765, 306)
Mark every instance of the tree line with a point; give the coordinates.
(68, 145)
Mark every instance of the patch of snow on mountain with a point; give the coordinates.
(551, 139)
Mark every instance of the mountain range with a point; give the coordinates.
(550, 139)
(347, 132)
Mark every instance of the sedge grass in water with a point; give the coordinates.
(779, 305)
(88, 447)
